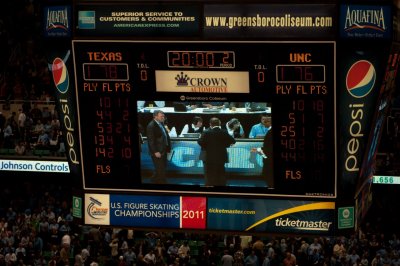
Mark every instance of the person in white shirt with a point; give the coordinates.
(150, 258)
(195, 127)
(227, 259)
(184, 253)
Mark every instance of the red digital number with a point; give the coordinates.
(99, 140)
(104, 114)
(104, 152)
(288, 131)
(126, 153)
(127, 139)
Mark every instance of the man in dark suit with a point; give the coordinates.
(159, 145)
(214, 143)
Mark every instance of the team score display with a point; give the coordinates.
(105, 72)
(201, 59)
(300, 73)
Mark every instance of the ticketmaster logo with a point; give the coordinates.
(303, 225)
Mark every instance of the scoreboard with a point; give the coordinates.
(292, 81)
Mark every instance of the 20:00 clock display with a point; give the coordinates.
(201, 59)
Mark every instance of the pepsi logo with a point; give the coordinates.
(60, 75)
(360, 79)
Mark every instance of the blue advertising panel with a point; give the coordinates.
(270, 21)
(63, 82)
(279, 216)
(138, 20)
(223, 214)
(365, 22)
(145, 211)
(361, 73)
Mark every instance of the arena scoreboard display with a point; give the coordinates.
(119, 85)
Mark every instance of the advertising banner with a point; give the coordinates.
(202, 81)
(146, 211)
(361, 72)
(57, 21)
(34, 166)
(346, 217)
(138, 20)
(365, 22)
(222, 214)
(60, 64)
(270, 21)
(276, 216)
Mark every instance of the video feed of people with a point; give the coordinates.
(216, 144)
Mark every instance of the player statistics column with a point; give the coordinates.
(307, 138)
(105, 113)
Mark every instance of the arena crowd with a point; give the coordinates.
(37, 228)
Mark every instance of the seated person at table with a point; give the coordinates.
(234, 128)
(259, 130)
(195, 127)
(142, 104)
